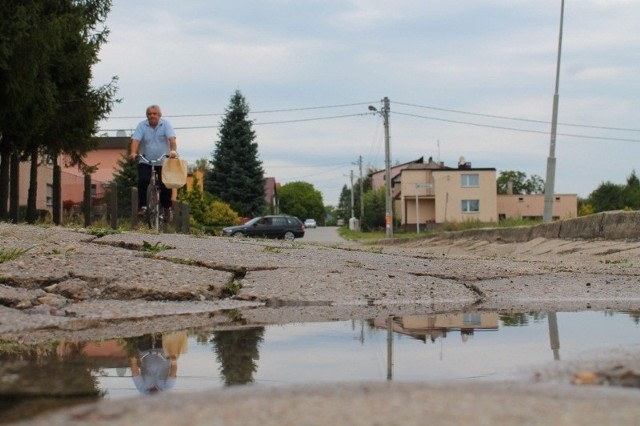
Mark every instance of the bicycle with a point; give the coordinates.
(153, 214)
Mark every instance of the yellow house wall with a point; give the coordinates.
(449, 194)
(412, 184)
(532, 205)
(45, 177)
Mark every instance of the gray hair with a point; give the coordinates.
(154, 107)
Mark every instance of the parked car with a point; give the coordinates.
(310, 223)
(273, 226)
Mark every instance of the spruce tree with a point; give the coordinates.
(125, 178)
(236, 174)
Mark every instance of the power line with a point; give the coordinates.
(508, 128)
(257, 123)
(251, 112)
(514, 129)
(503, 117)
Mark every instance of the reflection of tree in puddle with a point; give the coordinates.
(237, 352)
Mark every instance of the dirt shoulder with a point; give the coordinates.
(68, 284)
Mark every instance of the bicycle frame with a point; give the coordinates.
(153, 193)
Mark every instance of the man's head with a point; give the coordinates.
(153, 115)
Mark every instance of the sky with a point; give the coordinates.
(465, 78)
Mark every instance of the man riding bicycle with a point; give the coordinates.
(153, 138)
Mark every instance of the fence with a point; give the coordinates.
(117, 205)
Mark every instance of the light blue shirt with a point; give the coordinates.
(153, 142)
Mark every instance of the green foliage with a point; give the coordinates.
(205, 209)
(608, 196)
(221, 214)
(14, 253)
(521, 184)
(47, 50)
(343, 211)
(374, 210)
(585, 209)
(232, 288)
(125, 178)
(302, 200)
(154, 248)
(195, 199)
(236, 175)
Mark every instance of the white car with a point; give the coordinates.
(310, 223)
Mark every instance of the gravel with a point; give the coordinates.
(72, 285)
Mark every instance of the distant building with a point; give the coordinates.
(430, 194)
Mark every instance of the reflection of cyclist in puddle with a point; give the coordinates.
(154, 360)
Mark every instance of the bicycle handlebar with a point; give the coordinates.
(153, 162)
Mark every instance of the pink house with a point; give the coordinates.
(105, 158)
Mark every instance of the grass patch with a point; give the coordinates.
(9, 254)
(232, 288)
(154, 248)
(374, 236)
(101, 232)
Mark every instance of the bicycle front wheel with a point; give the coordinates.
(153, 207)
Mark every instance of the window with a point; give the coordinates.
(470, 180)
(470, 206)
(49, 195)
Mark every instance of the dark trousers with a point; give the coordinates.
(144, 177)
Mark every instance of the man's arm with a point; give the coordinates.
(134, 149)
(135, 370)
(173, 146)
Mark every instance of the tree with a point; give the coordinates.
(236, 174)
(608, 196)
(201, 164)
(374, 210)
(125, 178)
(631, 192)
(49, 106)
(343, 211)
(302, 200)
(520, 183)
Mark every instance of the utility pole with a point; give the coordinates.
(352, 196)
(549, 189)
(361, 191)
(387, 155)
(387, 161)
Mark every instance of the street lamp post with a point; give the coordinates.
(551, 160)
(387, 161)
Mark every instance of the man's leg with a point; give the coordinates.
(165, 199)
(144, 177)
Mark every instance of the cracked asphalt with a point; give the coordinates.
(69, 284)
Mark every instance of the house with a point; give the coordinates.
(44, 191)
(531, 206)
(429, 193)
(105, 159)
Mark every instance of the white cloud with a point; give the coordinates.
(491, 57)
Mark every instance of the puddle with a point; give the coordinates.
(469, 346)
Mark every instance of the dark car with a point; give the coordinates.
(275, 226)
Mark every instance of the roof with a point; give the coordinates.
(419, 160)
(114, 142)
